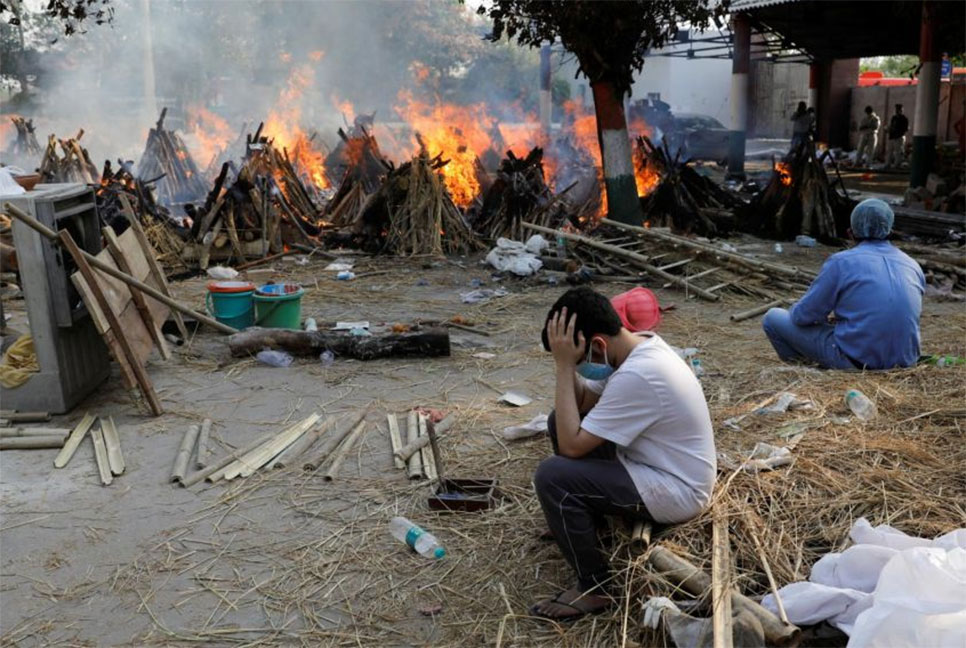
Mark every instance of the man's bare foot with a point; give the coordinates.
(571, 604)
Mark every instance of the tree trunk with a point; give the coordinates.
(615, 151)
(433, 342)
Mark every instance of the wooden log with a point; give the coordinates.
(31, 442)
(395, 440)
(180, 467)
(76, 436)
(637, 259)
(28, 220)
(693, 580)
(407, 451)
(414, 465)
(346, 426)
(757, 310)
(429, 468)
(115, 458)
(204, 450)
(246, 466)
(27, 432)
(343, 451)
(100, 456)
(432, 342)
(721, 582)
(290, 455)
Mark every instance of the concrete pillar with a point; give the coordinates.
(545, 97)
(927, 100)
(740, 64)
(814, 72)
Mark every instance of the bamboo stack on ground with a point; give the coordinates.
(346, 425)
(343, 450)
(246, 465)
(291, 454)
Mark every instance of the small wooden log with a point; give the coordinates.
(180, 467)
(27, 432)
(31, 442)
(291, 454)
(395, 440)
(114, 456)
(245, 466)
(757, 310)
(343, 450)
(76, 436)
(430, 343)
(721, 582)
(407, 451)
(204, 451)
(345, 427)
(429, 468)
(100, 456)
(414, 465)
(684, 574)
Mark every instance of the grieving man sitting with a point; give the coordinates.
(862, 311)
(631, 435)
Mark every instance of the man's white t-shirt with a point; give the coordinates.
(654, 410)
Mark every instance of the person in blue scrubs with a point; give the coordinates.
(862, 311)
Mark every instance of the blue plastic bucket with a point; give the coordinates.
(230, 302)
(279, 306)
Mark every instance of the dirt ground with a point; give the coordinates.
(285, 558)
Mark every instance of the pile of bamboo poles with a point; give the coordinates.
(416, 456)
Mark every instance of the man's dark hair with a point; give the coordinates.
(595, 314)
(868, 109)
(801, 107)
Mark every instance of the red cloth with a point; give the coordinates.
(638, 309)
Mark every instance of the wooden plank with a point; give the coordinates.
(147, 317)
(160, 280)
(100, 456)
(114, 456)
(721, 582)
(76, 436)
(144, 382)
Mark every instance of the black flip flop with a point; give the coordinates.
(574, 605)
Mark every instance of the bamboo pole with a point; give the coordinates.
(26, 417)
(437, 456)
(721, 582)
(114, 456)
(346, 426)
(414, 465)
(343, 450)
(117, 274)
(100, 456)
(246, 465)
(641, 536)
(771, 578)
(76, 436)
(425, 453)
(757, 310)
(637, 259)
(288, 456)
(213, 472)
(31, 442)
(408, 450)
(395, 440)
(204, 452)
(180, 467)
(28, 432)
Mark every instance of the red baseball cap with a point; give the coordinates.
(638, 309)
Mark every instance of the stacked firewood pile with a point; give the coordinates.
(166, 160)
(412, 213)
(365, 168)
(518, 194)
(798, 200)
(25, 143)
(683, 199)
(74, 166)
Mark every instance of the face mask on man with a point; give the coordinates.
(595, 370)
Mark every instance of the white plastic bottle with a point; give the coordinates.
(419, 539)
(860, 404)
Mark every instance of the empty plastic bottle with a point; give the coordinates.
(778, 248)
(311, 325)
(697, 367)
(860, 404)
(327, 358)
(419, 539)
(274, 358)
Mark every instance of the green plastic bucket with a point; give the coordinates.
(279, 306)
(230, 302)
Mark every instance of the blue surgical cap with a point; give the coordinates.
(872, 219)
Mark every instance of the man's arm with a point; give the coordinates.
(586, 397)
(819, 300)
(572, 441)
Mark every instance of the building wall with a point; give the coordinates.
(776, 89)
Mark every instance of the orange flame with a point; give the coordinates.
(211, 132)
(459, 133)
(316, 56)
(784, 173)
(344, 107)
(8, 132)
(283, 125)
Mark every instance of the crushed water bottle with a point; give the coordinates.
(778, 248)
(423, 542)
(327, 358)
(859, 403)
(274, 358)
(697, 367)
